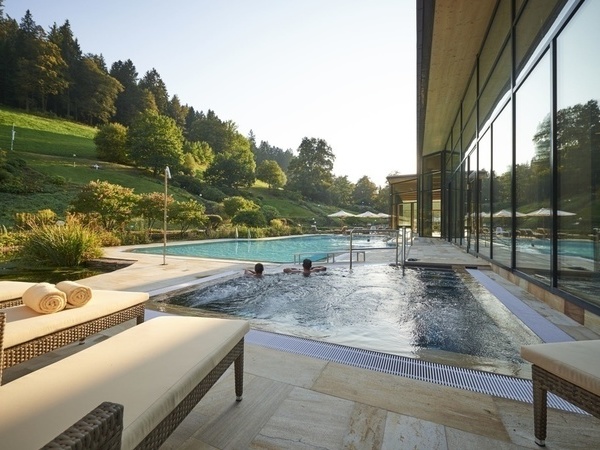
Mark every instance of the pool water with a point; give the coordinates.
(422, 313)
(580, 248)
(275, 250)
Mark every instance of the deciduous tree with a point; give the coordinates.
(364, 192)
(235, 204)
(188, 214)
(155, 141)
(111, 143)
(270, 172)
(234, 165)
(341, 191)
(152, 207)
(310, 171)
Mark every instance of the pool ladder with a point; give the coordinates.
(401, 235)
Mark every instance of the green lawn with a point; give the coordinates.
(45, 135)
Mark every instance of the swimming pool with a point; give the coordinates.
(431, 314)
(274, 250)
(579, 248)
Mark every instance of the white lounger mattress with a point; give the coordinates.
(149, 369)
(24, 324)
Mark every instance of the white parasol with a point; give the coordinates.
(341, 214)
(507, 213)
(547, 212)
(368, 214)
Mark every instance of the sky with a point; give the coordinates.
(339, 70)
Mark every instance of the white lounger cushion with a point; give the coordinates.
(148, 368)
(24, 324)
(10, 290)
(576, 362)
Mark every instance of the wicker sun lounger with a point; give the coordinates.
(29, 334)
(157, 371)
(570, 370)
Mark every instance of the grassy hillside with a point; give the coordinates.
(47, 136)
(64, 151)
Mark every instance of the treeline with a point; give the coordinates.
(140, 124)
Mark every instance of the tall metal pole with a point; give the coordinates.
(351, 233)
(167, 176)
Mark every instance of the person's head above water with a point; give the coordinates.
(307, 268)
(257, 272)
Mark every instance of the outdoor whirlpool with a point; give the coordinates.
(434, 314)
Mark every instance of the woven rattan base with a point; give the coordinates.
(100, 429)
(11, 303)
(544, 382)
(169, 423)
(44, 344)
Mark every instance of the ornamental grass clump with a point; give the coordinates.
(68, 245)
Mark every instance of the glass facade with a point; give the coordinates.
(502, 163)
(484, 194)
(523, 186)
(532, 171)
(578, 153)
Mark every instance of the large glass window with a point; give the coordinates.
(471, 222)
(500, 222)
(530, 27)
(470, 98)
(496, 87)
(484, 187)
(533, 174)
(469, 132)
(495, 39)
(578, 144)
(456, 135)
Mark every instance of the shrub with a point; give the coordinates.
(191, 184)
(58, 180)
(26, 221)
(270, 212)
(252, 218)
(5, 175)
(212, 193)
(61, 246)
(278, 227)
(236, 204)
(133, 238)
(10, 244)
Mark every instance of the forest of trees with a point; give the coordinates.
(139, 123)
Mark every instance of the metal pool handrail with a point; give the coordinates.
(384, 230)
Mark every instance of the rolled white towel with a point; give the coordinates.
(77, 294)
(45, 298)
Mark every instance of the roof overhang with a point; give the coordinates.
(449, 36)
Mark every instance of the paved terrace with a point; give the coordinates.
(299, 402)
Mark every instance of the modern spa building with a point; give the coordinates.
(509, 142)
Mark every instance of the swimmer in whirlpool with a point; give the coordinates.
(307, 268)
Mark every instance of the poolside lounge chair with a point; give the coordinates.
(29, 334)
(570, 370)
(158, 371)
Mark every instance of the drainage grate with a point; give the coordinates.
(503, 386)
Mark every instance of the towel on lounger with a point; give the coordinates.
(45, 298)
(77, 294)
